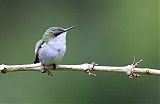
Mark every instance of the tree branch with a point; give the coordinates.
(130, 70)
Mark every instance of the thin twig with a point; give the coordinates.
(131, 70)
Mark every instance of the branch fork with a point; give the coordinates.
(89, 67)
(130, 68)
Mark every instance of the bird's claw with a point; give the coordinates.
(49, 73)
(44, 70)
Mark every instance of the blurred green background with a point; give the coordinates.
(110, 32)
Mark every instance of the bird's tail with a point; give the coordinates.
(36, 59)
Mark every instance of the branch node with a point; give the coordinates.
(147, 72)
(130, 68)
(3, 69)
(90, 67)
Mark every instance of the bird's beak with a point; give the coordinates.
(69, 28)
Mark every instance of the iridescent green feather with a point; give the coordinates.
(47, 36)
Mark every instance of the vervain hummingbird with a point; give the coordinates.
(52, 47)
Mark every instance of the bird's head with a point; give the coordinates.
(54, 32)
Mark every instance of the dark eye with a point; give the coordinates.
(58, 33)
(61, 30)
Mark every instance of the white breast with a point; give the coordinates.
(54, 50)
(59, 41)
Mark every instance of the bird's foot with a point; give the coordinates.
(49, 73)
(45, 69)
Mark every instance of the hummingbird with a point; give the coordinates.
(52, 47)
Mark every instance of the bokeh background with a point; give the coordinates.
(110, 32)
